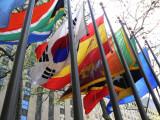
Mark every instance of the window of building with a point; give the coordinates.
(96, 116)
(72, 113)
(23, 117)
(87, 116)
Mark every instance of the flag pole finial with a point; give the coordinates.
(101, 3)
(129, 28)
(143, 37)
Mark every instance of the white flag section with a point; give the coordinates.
(56, 55)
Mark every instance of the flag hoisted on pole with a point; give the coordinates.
(129, 76)
(152, 53)
(155, 100)
(149, 64)
(11, 97)
(126, 96)
(54, 56)
(77, 103)
(112, 93)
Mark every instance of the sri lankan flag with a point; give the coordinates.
(43, 19)
(88, 53)
(94, 73)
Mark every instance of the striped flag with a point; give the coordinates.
(43, 19)
(126, 95)
(93, 74)
(6, 7)
(88, 52)
(56, 54)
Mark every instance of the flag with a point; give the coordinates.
(43, 19)
(6, 7)
(95, 93)
(56, 54)
(94, 73)
(126, 96)
(88, 52)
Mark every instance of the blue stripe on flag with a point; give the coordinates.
(140, 84)
(32, 38)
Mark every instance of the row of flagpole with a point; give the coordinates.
(8, 109)
(129, 76)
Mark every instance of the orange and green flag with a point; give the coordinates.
(94, 73)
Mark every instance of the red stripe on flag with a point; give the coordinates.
(90, 27)
(40, 49)
(93, 97)
(16, 19)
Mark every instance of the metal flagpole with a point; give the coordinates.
(112, 93)
(141, 68)
(103, 107)
(158, 93)
(129, 76)
(77, 104)
(148, 103)
(9, 105)
(155, 100)
(149, 64)
(152, 53)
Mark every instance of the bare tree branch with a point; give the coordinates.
(5, 74)
(6, 53)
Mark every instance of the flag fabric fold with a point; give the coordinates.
(6, 7)
(87, 53)
(94, 73)
(126, 95)
(113, 60)
(56, 54)
(43, 20)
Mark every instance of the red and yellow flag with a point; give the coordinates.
(88, 53)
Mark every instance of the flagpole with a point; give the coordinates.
(146, 79)
(112, 93)
(141, 68)
(129, 76)
(152, 53)
(77, 103)
(103, 106)
(149, 64)
(9, 105)
(148, 103)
